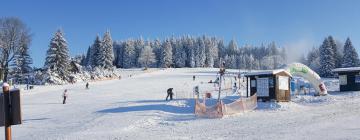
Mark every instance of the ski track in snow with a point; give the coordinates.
(135, 108)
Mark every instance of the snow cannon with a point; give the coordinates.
(298, 69)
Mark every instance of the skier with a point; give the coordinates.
(169, 93)
(87, 85)
(193, 77)
(64, 96)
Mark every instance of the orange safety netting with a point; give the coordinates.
(221, 109)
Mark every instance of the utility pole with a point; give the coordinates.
(7, 108)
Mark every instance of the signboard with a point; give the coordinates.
(283, 83)
(15, 108)
(262, 88)
(343, 79)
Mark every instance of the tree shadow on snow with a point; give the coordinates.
(158, 105)
(35, 119)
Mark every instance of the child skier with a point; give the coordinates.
(64, 96)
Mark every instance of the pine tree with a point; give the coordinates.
(96, 53)
(351, 57)
(156, 46)
(129, 54)
(57, 58)
(139, 45)
(200, 53)
(232, 48)
(327, 60)
(118, 54)
(211, 52)
(147, 57)
(337, 56)
(88, 58)
(180, 55)
(22, 60)
(190, 51)
(108, 53)
(313, 59)
(166, 57)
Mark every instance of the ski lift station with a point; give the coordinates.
(349, 78)
(269, 84)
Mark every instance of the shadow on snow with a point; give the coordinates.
(158, 105)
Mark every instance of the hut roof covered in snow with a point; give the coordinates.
(267, 72)
(346, 69)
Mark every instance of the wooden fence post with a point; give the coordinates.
(7, 107)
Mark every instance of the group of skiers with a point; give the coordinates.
(169, 91)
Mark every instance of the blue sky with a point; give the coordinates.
(296, 24)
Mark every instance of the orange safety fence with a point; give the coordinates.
(221, 109)
(240, 105)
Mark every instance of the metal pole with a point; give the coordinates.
(7, 106)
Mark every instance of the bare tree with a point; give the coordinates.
(13, 35)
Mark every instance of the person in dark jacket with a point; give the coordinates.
(87, 85)
(169, 94)
(64, 96)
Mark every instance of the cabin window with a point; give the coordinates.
(357, 78)
(343, 79)
(271, 82)
(253, 83)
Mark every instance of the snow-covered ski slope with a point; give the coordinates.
(134, 108)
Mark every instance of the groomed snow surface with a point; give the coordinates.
(134, 108)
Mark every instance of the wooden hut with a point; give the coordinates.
(269, 84)
(349, 78)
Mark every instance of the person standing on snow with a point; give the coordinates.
(193, 77)
(87, 85)
(65, 96)
(169, 94)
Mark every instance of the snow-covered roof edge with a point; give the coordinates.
(266, 72)
(346, 69)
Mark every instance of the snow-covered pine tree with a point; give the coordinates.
(211, 52)
(88, 57)
(147, 57)
(190, 52)
(57, 57)
(156, 46)
(351, 57)
(222, 49)
(200, 53)
(327, 60)
(166, 55)
(129, 54)
(180, 54)
(139, 45)
(337, 56)
(313, 59)
(96, 53)
(108, 53)
(118, 54)
(22, 60)
(232, 48)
